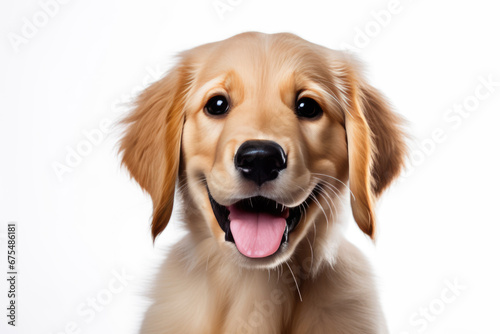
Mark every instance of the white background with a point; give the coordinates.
(439, 224)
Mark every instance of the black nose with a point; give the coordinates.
(260, 160)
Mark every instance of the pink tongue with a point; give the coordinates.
(256, 234)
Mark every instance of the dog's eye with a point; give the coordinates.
(217, 105)
(308, 108)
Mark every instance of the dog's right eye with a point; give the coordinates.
(308, 108)
(217, 105)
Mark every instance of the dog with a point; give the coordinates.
(262, 138)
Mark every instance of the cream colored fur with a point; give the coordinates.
(317, 282)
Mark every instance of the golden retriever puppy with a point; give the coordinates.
(263, 136)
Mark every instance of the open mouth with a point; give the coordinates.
(257, 225)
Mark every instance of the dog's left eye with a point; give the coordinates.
(307, 108)
(217, 105)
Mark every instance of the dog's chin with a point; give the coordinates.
(259, 231)
(270, 262)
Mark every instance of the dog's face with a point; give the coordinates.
(263, 133)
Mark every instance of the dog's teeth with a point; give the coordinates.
(285, 235)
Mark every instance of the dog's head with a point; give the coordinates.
(262, 133)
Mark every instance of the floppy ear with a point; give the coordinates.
(151, 145)
(376, 149)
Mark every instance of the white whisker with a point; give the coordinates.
(338, 181)
(331, 187)
(312, 255)
(296, 284)
(328, 201)
(322, 209)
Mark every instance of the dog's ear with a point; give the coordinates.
(376, 148)
(151, 146)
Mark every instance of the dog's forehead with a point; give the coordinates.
(265, 58)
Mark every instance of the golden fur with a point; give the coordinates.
(319, 282)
